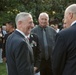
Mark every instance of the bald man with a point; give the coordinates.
(64, 54)
(46, 66)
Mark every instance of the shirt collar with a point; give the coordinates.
(21, 33)
(28, 36)
(43, 27)
(73, 23)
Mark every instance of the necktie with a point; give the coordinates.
(27, 40)
(45, 44)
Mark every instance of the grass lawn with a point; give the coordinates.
(3, 69)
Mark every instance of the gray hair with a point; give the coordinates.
(71, 8)
(21, 16)
(44, 13)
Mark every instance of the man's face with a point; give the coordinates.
(43, 21)
(8, 27)
(27, 25)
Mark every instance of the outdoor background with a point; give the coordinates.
(55, 8)
(9, 9)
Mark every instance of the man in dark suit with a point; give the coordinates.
(64, 54)
(43, 30)
(34, 42)
(19, 53)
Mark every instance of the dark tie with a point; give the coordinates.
(45, 44)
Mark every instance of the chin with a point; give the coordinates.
(28, 32)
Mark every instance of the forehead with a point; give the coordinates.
(43, 17)
(29, 18)
(7, 24)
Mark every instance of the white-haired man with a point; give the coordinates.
(19, 54)
(64, 55)
(46, 36)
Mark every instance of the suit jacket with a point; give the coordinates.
(19, 55)
(64, 54)
(50, 34)
(34, 42)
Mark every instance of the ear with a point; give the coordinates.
(19, 22)
(71, 15)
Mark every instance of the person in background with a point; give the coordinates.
(52, 25)
(64, 24)
(19, 53)
(10, 27)
(64, 53)
(56, 28)
(46, 35)
(4, 30)
(1, 42)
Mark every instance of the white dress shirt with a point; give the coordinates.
(73, 23)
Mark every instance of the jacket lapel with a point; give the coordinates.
(30, 49)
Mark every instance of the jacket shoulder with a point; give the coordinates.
(36, 27)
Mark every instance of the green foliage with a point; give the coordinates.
(9, 10)
(55, 8)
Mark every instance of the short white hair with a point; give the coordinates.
(71, 8)
(21, 16)
(44, 13)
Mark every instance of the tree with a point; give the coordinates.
(55, 8)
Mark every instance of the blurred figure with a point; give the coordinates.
(64, 54)
(4, 30)
(52, 25)
(1, 42)
(10, 26)
(64, 24)
(9, 29)
(19, 53)
(56, 28)
(46, 36)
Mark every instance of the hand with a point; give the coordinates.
(35, 68)
(4, 59)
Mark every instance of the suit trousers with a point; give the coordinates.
(46, 67)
